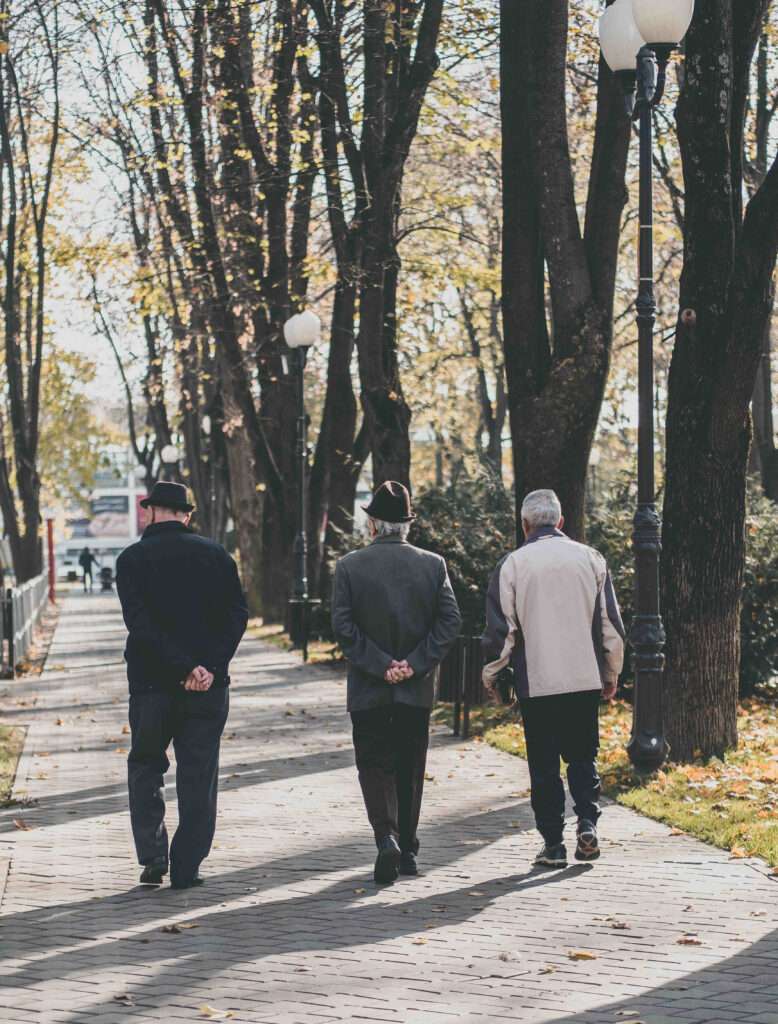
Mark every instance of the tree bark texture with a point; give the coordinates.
(556, 371)
(725, 301)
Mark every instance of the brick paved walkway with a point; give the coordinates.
(290, 927)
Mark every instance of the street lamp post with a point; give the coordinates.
(300, 332)
(637, 39)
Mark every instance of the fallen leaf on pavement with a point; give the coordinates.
(360, 891)
(171, 929)
(737, 853)
(60, 721)
(120, 750)
(419, 942)
(505, 957)
(213, 1013)
(125, 1000)
(689, 940)
(676, 832)
(619, 925)
(22, 825)
(581, 954)
(125, 730)
(548, 969)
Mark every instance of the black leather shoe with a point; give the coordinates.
(388, 861)
(154, 873)
(408, 865)
(187, 883)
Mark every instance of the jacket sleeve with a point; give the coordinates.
(445, 629)
(612, 632)
(358, 648)
(140, 624)
(235, 617)
(499, 637)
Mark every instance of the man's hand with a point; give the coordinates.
(491, 694)
(199, 679)
(398, 672)
(609, 689)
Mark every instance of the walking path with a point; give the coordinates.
(290, 927)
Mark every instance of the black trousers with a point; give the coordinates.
(194, 722)
(564, 725)
(390, 744)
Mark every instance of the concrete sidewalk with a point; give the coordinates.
(290, 927)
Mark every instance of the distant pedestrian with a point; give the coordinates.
(185, 613)
(552, 615)
(86, 560)
(395, 616)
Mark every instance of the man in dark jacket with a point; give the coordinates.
(185, 613)
(395, 616)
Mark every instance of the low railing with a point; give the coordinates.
(22, 608)
(460, 681)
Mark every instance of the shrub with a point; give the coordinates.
(759, 612)
(470, 524)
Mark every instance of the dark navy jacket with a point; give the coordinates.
(183, 606)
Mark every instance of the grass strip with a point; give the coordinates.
(731, 802)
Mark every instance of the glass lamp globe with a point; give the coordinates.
(619, 37)
(663, 22)
(302, 330)
(169, 454)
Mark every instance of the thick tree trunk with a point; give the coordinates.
(335, 469)
(725, 302)
(556, 379)
(387, 414)
(245, 500)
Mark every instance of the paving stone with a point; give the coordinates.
(290, 927)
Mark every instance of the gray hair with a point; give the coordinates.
(384, 529)
(541, 508)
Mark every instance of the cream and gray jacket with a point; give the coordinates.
(552, 615)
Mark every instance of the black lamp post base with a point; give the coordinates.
(647, 752)
(300, 622)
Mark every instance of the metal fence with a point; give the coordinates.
(22, 608)
(460, 681)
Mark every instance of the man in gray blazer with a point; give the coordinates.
(395, 616)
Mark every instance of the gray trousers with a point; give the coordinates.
(194, 723)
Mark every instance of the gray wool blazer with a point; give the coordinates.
(392, 600)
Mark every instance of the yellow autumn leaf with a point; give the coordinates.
(581, 954)
(213, 1014)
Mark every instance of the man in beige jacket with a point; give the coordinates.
(553, 618)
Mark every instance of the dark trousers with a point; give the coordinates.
(564, 725)
(390, 744)
(194, 723)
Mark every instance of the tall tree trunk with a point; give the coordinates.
(725, 301)
(556, 379)
(335, 470)
(246, 500)
(764, 451)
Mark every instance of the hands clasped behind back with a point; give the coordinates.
(398, 672)
(199, 679)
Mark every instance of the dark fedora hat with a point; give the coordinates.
(165, 494)
(391, 503)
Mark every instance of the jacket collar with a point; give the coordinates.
(542, 533)
(389, 538)
(171, 526)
